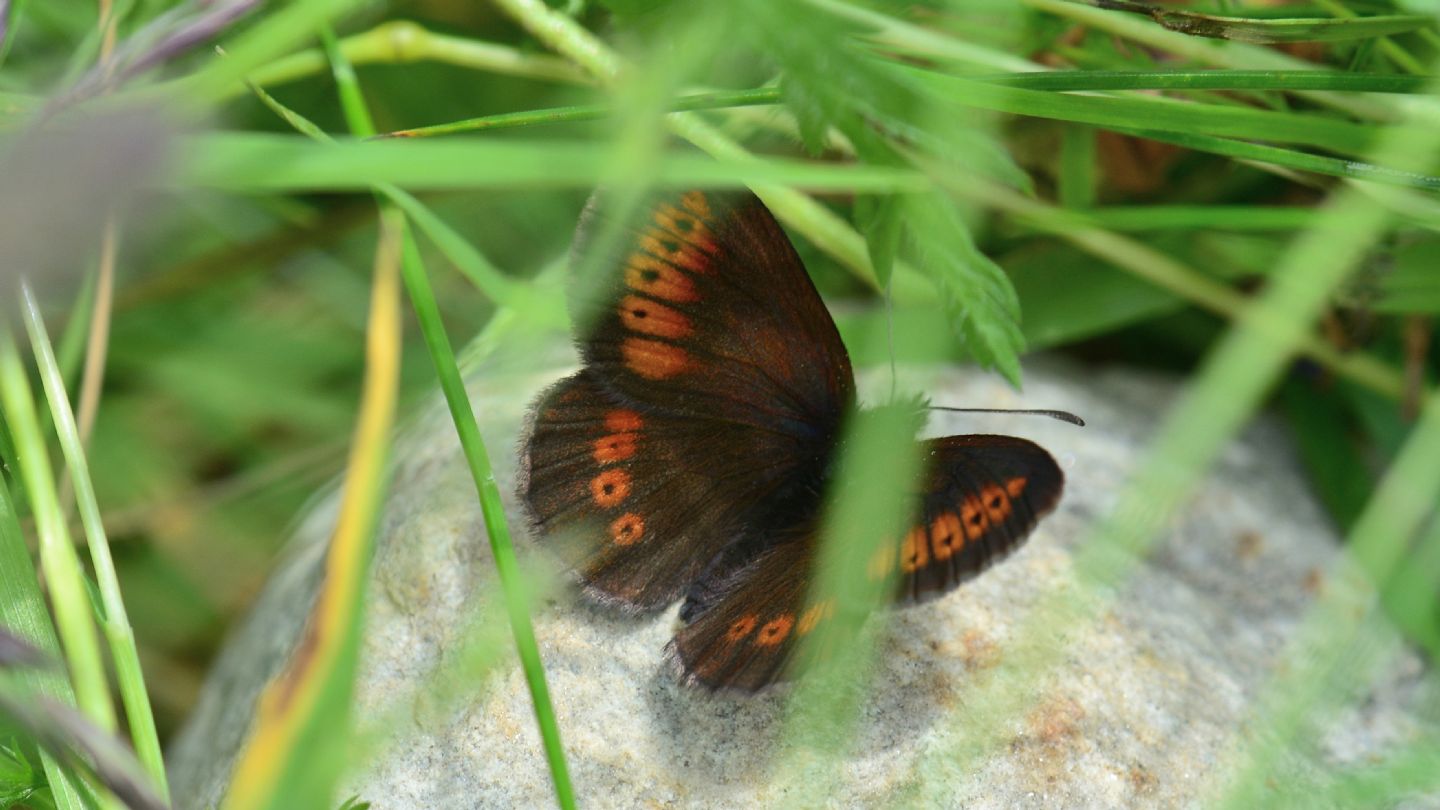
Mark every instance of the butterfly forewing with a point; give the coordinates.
(704, 308)
(640, 501)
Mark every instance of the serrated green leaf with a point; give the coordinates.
(809, 114)
(880, 220)
(976, 293)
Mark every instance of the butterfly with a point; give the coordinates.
(691, 455)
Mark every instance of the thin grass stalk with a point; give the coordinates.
(114, 620)
(1233, 55)
(517, 600)
(403, 42)
(293, 756)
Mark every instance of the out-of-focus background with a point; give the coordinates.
(235, 343)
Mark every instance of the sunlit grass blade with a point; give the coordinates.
(114, 621)
(517, 600)
(589, 112)
(246, 162)
(404, 41)
(302, 719)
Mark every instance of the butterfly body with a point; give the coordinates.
(692, 455)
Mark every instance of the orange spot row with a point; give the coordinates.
(696, 203)
(623, 420)
(995, 503)
(664, 246)
(627, 529)
(775, 630)
(615, 447)
(652, 359)
(815, 614)
(946, 536)
(687, 227)
(915, 551)
(656, 278)
(741, 628)
(610, 488)
(640, 315)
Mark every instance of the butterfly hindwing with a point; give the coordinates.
(705, 308)
(983, 496)
(639, 502)
(752, 635)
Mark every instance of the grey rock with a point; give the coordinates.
(1145, 707)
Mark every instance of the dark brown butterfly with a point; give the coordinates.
(691, 454)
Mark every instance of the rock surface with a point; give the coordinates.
(1145, 707)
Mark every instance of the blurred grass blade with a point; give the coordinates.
(22, 611)
(252, 162)
(302, 718)
(1060, 81)
(492, 509)
(16, 652)
(272, 36)
(114, 621)
(1321, 661)
(58, 560)
(65, 734)
(1262, 31)
(404, 41)
(589, 112)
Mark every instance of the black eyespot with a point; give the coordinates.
(650, 275)
(640, 313)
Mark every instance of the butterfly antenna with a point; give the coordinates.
(1063, 416)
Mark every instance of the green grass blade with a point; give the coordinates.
(517, 598)
(246, 162)
(115, 622)
(58, 560)
(1060, 81)
(23, 612)
(1270, 31)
